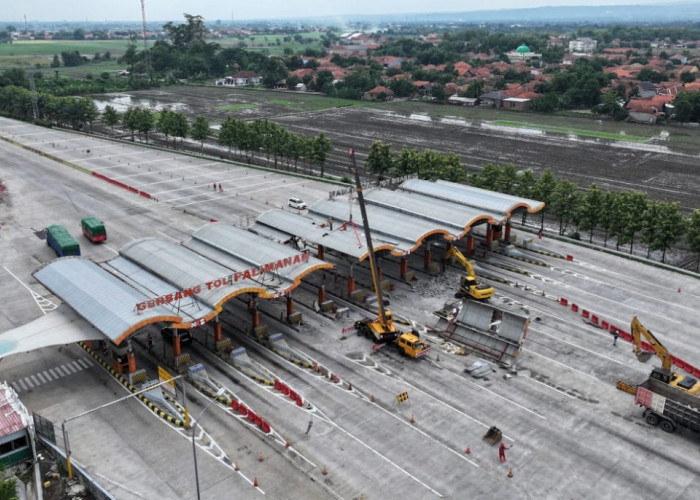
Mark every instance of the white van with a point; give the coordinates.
(297, 203)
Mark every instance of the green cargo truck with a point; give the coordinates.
(58, 238)
(93, 229)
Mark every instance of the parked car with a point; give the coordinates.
(185, 335)
(297, 203)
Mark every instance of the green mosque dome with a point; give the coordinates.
(523, 49)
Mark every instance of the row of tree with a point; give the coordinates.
(627, 216)
(74, 112)
(249, 138)
(425, 164)
(271, 139)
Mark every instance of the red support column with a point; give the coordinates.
(321, 294)
(379, 273)
(470, 244)
(404, 268)
(176, 345)
(351, 285)
(497, 230)
(256, 318)
(131, 359)
(320, 252)
(489, 235)
(506, 235)
(217, 331)
(426, 258)
(290, 306)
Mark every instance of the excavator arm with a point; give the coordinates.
(470, 285)
(453, 253)
(638, 330)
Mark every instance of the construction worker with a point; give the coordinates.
(615, 335)
(149, 339)
(502, 451)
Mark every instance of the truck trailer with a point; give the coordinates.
(667, 406)
(58, 238)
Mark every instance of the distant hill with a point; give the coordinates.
(665, 13)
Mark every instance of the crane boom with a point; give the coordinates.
(368, 238)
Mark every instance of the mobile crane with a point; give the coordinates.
(382, 329)
(664, 374)
(469, 286)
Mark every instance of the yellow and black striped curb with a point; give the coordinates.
(120, 378)
(289, 357)
(530, 261)
(545, 252)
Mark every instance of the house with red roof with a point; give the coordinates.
(379, 93)
(649, 110)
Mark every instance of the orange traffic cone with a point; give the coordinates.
(371, 398)
(236, 467)
(287, 444)
(261, 458)
(255, 482)
(510, 472)
(413, 419)
(324, 471)
(467, 451)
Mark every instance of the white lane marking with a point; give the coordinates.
(55, 375)
(40, 378)
(379, 454)
(82, 363)
(508, 400)
(582, 348)
(551, 387)
(135, 493)
(110, 248)
(35, 380)
(530, 351)
(22, 385)
(170, 237)
(44, 304)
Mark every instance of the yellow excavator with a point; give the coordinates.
(664, 374)
(382, 329)
(469, 286)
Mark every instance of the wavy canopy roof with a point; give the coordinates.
(158, 281)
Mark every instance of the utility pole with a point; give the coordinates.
(146, 55)
(32, 88)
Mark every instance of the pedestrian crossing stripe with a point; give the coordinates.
(45, 376)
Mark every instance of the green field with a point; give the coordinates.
(268, 43)
(317, 103)
(566, 130)
(39, 53)
(234, 107)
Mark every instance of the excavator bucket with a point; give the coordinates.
(643, 356)
(493, 436)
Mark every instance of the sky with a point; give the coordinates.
(211, 10)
